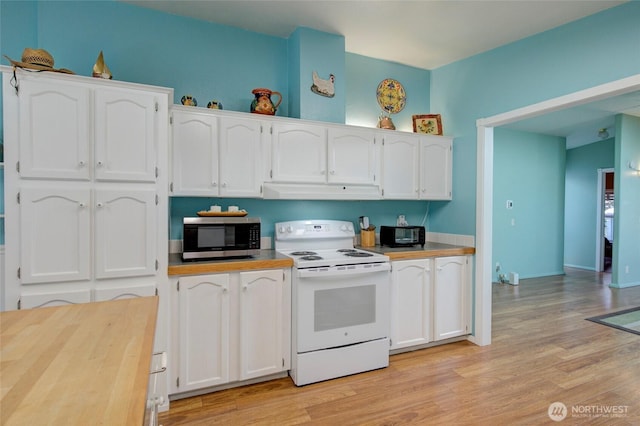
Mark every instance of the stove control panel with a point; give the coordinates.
(312, 229)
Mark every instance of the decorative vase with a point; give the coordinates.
(262, 103)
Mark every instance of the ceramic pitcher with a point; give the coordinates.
(262, 103)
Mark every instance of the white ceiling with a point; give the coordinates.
(425, 34)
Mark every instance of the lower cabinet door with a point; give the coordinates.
(261, 323)
(451, 295)
(203, 331)
(411, 302)
(41, 299)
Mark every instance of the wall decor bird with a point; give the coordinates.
(323, 87)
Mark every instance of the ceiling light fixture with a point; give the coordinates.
(603, 134)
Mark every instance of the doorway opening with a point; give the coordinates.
(605, 221)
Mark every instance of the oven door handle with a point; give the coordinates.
(342, 271)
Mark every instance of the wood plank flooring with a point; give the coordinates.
(543, 351)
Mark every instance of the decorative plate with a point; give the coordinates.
(391, 96)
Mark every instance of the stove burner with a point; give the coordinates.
(358, 254)
(303, 253)
(311, 257)
(347, 250)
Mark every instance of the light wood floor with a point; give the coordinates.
(543, 351)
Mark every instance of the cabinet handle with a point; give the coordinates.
(81, 163)
(439, 268)
(214, 184)
(333, 172)
(82, 205)
(99, 164)
(224, 184)
(100, 205)
(245, 287)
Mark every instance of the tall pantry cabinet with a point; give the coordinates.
(86, 191)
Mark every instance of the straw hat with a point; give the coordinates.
(37, 59)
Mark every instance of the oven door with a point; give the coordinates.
(341, 305)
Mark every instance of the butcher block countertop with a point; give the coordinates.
(267, 259)
(85, 364)
(430, 249)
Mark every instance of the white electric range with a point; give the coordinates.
(340, 301)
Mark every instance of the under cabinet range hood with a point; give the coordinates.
(291, 191)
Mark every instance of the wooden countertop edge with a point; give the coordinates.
(408, 255)
(213, 267)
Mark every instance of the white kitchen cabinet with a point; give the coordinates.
(41, 299)
(299, 153)
(125, 232)
(262, 327)
(241, 157)
(54, 129)
(112, 292)
(411, 303)
(230, 327)
(435, 167)
(217, 155)
(55, 233)
(400, 166)
(451, 295)
(203, 350)
(126, 133)
(353, 156)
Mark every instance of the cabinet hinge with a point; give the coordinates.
(157, 199)
(271, 174)
(156, 291)
(19, 304)
(283, 278)
(382, 192)
(157, 107)
(171, 187)
(282, 362)
(261, 128)
(390, 342)
(178, 382)
(157, 171)
(19, 272)
(18, 166)
(271, 129)
(260, 189)
(171, 119)
(157, 267)
(178, 285)
(18, 198)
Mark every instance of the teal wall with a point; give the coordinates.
(324, 54)
(581, 201)
(626, 233)
(528, 238)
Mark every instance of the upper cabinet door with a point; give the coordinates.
(125, 233)
(299, 153)
(195, 154)
(55, 234)
(353, 156)
(125, 135)
(54, 130)
(401, 166)
(241, 157)
(435, 168)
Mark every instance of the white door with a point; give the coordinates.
(125, 228)
(299, 153)
(352, 156)
(54, 130)
(125, 135)
(450, 298)
(411, 301)
(195, 154)
(261, 323)
(203, 331)
(401, 167)
(240, 157)
(55, 234)
(435, 168)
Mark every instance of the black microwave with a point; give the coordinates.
(398, 236)
(216, 237)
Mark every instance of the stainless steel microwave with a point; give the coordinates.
(216, 237)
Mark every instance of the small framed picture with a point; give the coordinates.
(427, 123)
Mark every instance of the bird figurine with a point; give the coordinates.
(323, 87)
(100, 69)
